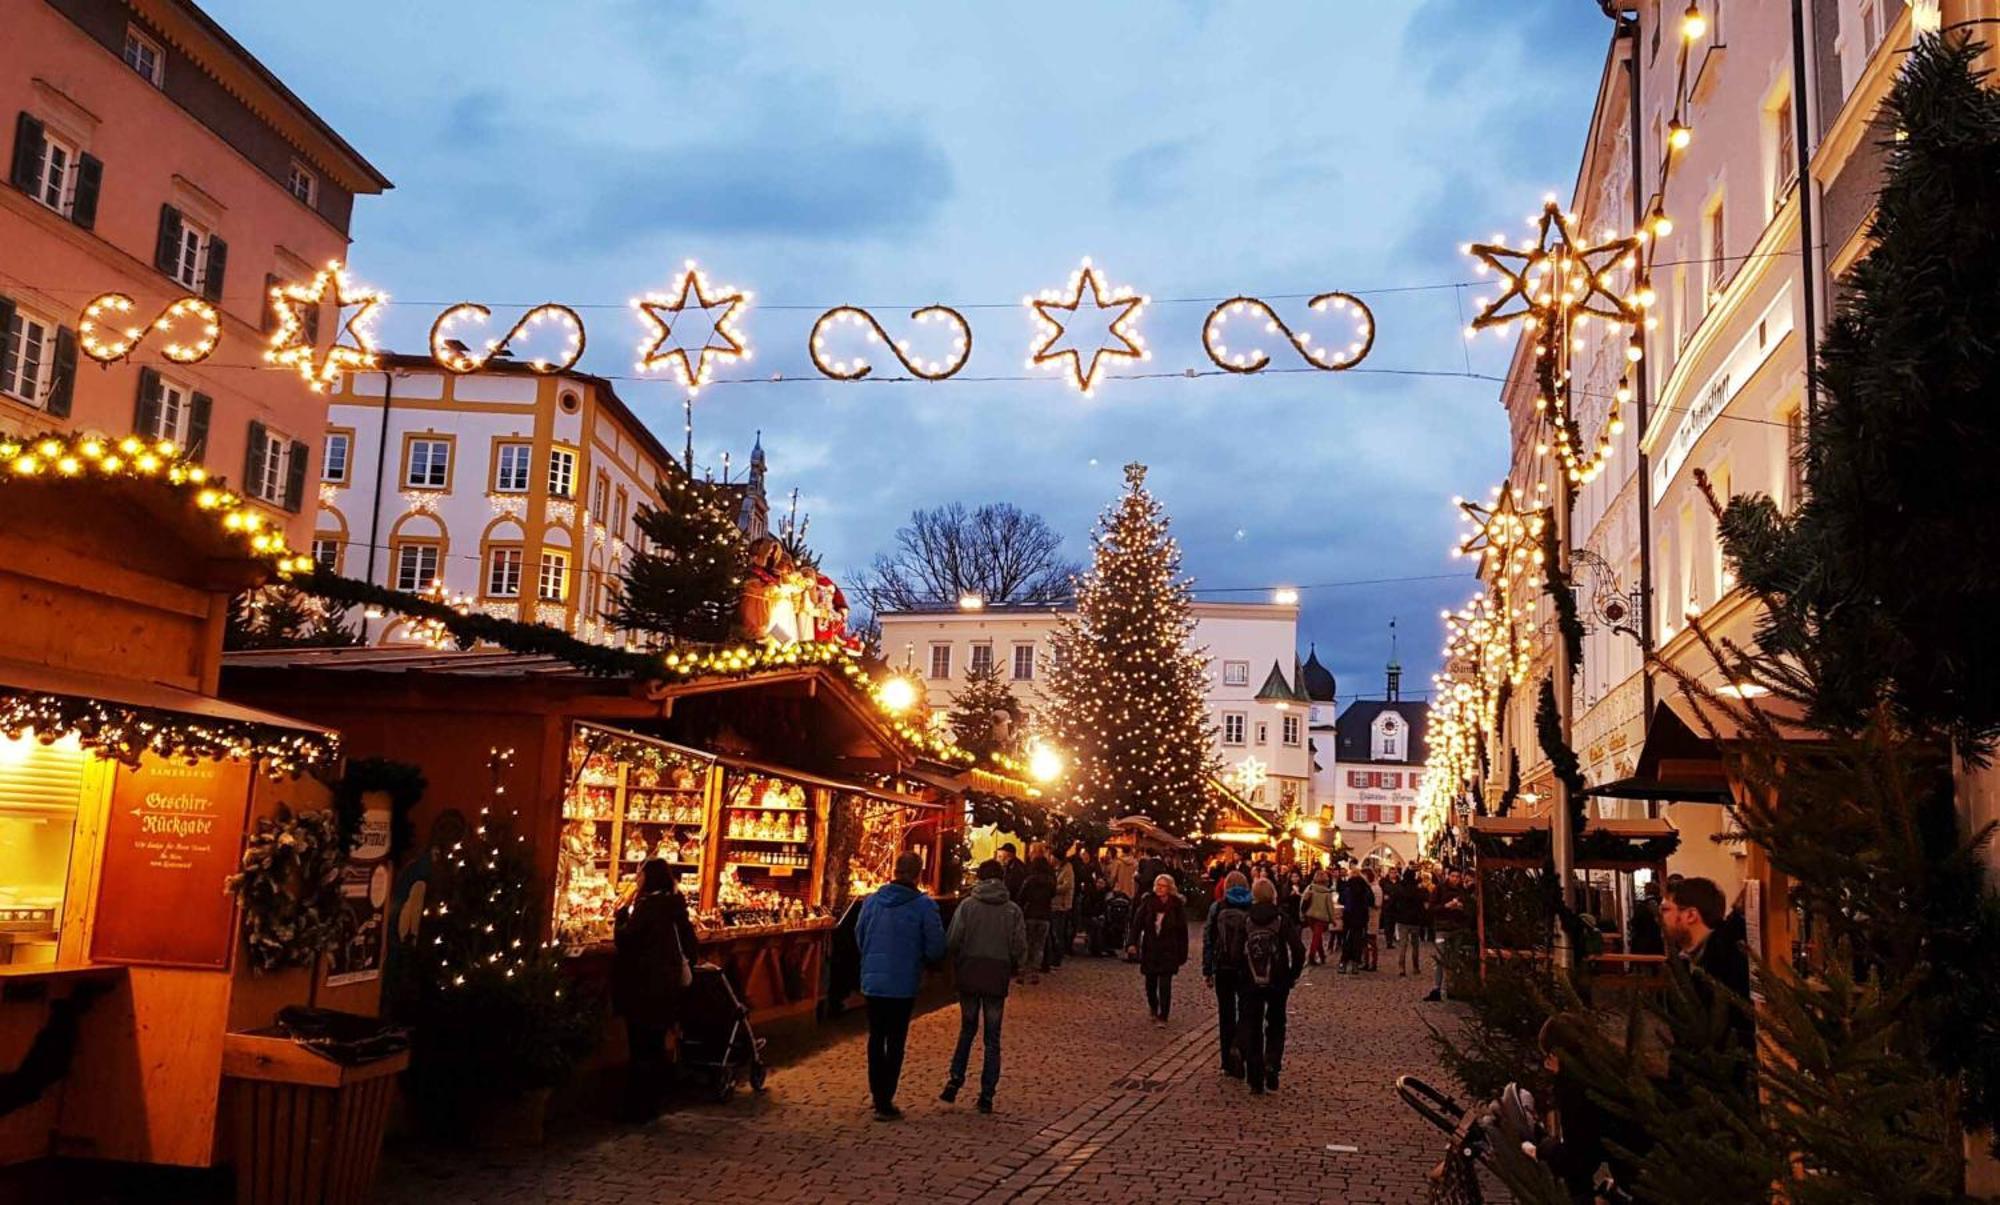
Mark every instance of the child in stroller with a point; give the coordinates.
(716, 1034)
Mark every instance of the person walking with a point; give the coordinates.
(653, 945)
(1318, 908)
(1372, 954)
(1038, 891)
(1124, 874)
(899, 932)
(1357, 904)
(1412, 913)
(1451, 914)
(1273, 960)
(1222, 962)
(1013, 871)
(987, 942)
(1159, 941)
(1062, 912)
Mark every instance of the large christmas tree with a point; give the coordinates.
(686, 580)
(1128, 686)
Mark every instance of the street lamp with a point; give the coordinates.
(897, 694)
(1045, 764)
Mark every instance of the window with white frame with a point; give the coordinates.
(1024, 663)
(176, 409)
(191, 256)
(55, 176)
(416, 566)
(143, 55)
(600, 492)
(27, 358)
(562, 473)
(274, 467)
(1289, 728)
(982, 659)
(503, 572)
(1783, 170)
(553, 582)
(302, 183)
(1233, 725)
(1795, 465)
(427, 464)
(1263, 732)
(510, 473)
(1236, 673)
(333, 462)
(326, 553)
(940, 661)
(1712, 253)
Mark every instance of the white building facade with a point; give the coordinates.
(1374, 773)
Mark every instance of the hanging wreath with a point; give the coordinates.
(289, 887)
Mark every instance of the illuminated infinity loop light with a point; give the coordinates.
(110, 346)
(462, 359)
(1318, 356)
(857, 367)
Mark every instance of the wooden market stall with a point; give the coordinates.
(126, 791)
(777, 792)
(1504, 846)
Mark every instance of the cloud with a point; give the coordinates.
(1153, 174)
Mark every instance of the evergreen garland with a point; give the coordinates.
(1561, 589)
(1130, 693)
(1562, 759)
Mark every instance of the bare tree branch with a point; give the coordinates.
(999, 552)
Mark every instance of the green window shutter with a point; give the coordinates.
(218, 263)
(146, 414)
(89, 180)
(63, 388)
(6, 341)
(28, 143)
(167, 246)
(253, 463)
(295, 476)
(197, 443)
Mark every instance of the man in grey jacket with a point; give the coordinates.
(987, 944)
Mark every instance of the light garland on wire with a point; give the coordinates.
(461, 359)
(1555, 286)
(125, 734)
(1122, 303)
(57, 456)
(290, 345)
(1301, 341)
(660, 313)
(856, 367)
(109, 348)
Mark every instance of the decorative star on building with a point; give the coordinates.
(722, 343)
(291, 344)
(1250, 775)
(1502, 534)
(1552, 275)
(1057, 316)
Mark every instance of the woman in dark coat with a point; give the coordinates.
(1159, 940)
(655, 944)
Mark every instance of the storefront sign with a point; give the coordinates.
(1749, 355)
(173, 836)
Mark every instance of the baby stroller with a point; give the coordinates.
(1505, 1129)
(1117, 921)
(715, 1032)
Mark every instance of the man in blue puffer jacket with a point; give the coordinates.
(899, 932)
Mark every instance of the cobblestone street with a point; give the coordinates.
(1095, 1104)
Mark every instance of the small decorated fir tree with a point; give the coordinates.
(986, 718)
(1129, 690)
(685, 582)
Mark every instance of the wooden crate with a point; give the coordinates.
(308, 1130)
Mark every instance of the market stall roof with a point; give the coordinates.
(1143, 826)
(821, 780)
(1236, 820)
(1681, 763)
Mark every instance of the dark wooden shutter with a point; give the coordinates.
(295, 476)
(218, 263)
(253, 464)
(167, 247)
(89, 180)
(269, 322)
(63, 388)
(6, 331)
(28, 143)
(311, 322)
(197, 443)
(146, 414)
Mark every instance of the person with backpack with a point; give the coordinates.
(1273, 960)
(1090, 908)
(1037, 900)
(1222, 962)
(654, 949)
(987, 943)
(899, 933)
(1159, 943)
(1318, 909)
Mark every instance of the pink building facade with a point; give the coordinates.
(148, 153)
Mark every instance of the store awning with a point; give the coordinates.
(1679, 762)
(104, 711)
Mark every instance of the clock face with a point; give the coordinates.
(1388, 725)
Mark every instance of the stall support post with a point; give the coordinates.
(711, 856)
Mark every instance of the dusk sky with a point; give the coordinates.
(972, 154)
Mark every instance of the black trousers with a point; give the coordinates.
(1226, 1014)
(1353, 943)
(646, 1069)
(1160, 993)
(1261, 1030)
(888, 1032)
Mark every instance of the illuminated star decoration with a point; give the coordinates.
(722, 343)
(1545, 279)
(290, 345)
(1250, 775)
(1504, 536)
(1056, 315)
